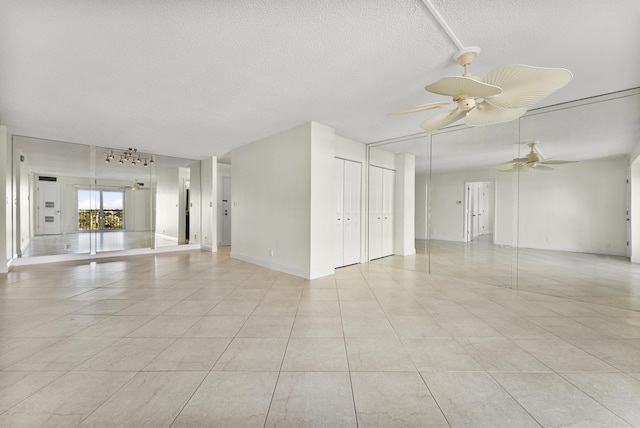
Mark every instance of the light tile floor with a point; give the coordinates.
(195, 339)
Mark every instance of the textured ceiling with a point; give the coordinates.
(200, 77)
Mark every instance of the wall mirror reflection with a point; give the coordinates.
(417, 147)
(78, 199)
(542, 204)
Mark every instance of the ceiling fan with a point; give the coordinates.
(532, 160)
(501, 96)
(135, 186)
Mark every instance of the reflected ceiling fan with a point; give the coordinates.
(532, 160)
(135, 186)
(502, 95)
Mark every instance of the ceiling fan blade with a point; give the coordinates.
(514, 161)
(542, 167)
(460, 85)
(441, 120)
(556, 162)
(421, 108)
(486, 114)
(524, 85)
(515, 168)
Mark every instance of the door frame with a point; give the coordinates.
(466, 208)
(41, 208)
(225, 205)
(100, 209)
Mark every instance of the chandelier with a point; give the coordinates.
(130, 156)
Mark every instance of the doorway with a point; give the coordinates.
(100, 210)
(479, 210)
(48, 208)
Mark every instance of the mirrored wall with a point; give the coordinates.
(80, 199)
(540, 204)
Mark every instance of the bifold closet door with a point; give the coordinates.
(375, 212)
(338, 204)
(347, 203)
(381, 211)
(388, 205)
(352, 207)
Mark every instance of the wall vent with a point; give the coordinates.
(45, 178)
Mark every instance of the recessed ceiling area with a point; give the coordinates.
(208, 77)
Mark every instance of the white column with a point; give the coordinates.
(404, 236)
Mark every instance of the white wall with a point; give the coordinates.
(208, 200)
(578, 207)
(405, 209)
(22, 208)
(282, 201)
(137, 209)
(5, 195)
(272, 202)
(382, 158)
(421, 206)
(224, 170)
(167, 204)
(447, 204)
(322, 186)
(195, 196)
(634, 177)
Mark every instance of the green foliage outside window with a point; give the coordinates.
(90, 219)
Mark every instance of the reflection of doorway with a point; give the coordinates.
(226, 211)
(49, 208)
(479, 213)
(100, 209)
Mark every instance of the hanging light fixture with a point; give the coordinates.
(131, 155)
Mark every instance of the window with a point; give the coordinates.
(100, 210)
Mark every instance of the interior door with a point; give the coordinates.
(48, 208)
(375, 212)
(388, 201)
(226, 211)
(475, 205)
(338, 213)
(352, 204)
(483, 207)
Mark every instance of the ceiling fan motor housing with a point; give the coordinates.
(465, 103)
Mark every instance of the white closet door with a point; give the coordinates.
(375, 212)
(338, 203)
(352, 203)
(388, 205)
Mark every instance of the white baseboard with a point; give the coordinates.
(291, 270)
